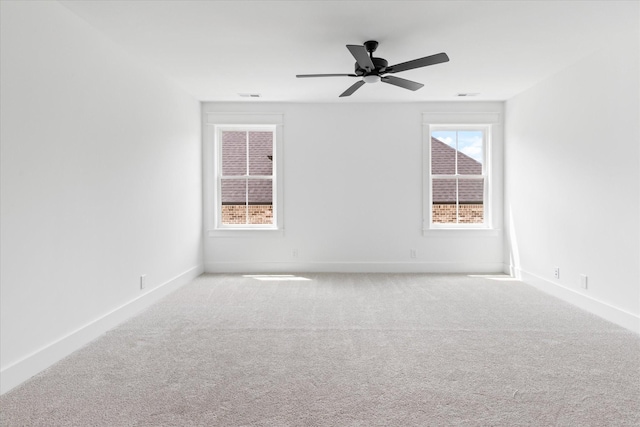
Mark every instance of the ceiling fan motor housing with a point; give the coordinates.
(379, 64)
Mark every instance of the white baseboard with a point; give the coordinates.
(585, 302)
(20, 371)
(353, 267)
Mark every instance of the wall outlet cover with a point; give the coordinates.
(583, 281)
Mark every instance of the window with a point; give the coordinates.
(243, 173)
(459, 175)
(459, 181)
(245, 178)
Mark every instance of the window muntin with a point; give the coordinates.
(245, 178)
(459, 176)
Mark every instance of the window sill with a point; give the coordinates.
(462, 232)
(246, 232)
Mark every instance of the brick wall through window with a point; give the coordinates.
(237, 214)
(467, 213)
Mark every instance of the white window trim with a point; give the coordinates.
(452, 121)
(216, 121)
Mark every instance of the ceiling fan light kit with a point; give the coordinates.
(374, 70)
(371, 78)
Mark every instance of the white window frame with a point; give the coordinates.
(450, 122)
(219, 129)
(485, 175)
(215, 124)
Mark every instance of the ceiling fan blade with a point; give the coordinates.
(362, 57)
(354, 87)
(397, 81)
(325, 75)
(417, 63)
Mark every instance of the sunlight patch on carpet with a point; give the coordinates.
(276, 277)
(497, 277)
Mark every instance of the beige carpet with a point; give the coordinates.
(345, 350)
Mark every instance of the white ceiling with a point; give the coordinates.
(218, 49)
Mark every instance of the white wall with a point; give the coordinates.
(353, 195)
(572, 182)
(101, 182)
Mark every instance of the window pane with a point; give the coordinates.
(260, 192)
(444, 190)
(234, 191)
(471, 198)
(260, 201)
(443, 153)
(470, 152)
(260, 153)
(444, 207)
(234, 198)
(234, 153)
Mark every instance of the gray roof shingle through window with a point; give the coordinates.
(234, 164)
(443, 162)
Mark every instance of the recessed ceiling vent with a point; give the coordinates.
(249, 95)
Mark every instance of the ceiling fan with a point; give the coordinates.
(373, 70)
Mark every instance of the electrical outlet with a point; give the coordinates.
(143, 281)
(412, 253)
(294, 253)
(556, 273)
(583, 281)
